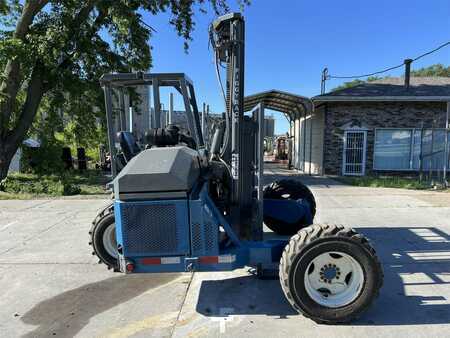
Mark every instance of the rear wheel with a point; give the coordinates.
(330, 273)
(103, 237)
(293, 190)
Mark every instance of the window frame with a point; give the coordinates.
(411, 145)
(411, 149)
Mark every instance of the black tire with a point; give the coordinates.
(103, 220)
(313, 241)
(288, 189)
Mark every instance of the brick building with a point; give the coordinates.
(380, 126)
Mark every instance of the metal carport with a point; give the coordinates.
(295, 108)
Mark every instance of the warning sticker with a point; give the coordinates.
(235, 166)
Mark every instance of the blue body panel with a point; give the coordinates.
(287, 210)
(152, 228)
(183, 235)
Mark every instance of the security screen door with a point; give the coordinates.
(354, 159)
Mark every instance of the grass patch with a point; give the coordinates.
(25, 186)
(385, 182)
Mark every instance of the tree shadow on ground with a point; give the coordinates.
(67, 313)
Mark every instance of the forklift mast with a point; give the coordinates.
(229, 44)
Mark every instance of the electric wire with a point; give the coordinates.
(432, 51)
(217, 63)
(364, 75)
(227, 117)
(390, 68)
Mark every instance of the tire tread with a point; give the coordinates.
(105, 212)
(309, 235)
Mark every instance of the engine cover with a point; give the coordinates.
(166, 172)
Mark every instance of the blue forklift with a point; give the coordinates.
(180, 205)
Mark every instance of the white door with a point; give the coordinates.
(354, 159)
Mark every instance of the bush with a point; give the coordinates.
(39, 185)
(46, 159)
(70, 189)
(385, 182)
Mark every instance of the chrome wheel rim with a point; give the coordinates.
(109, 240)
(334, 279)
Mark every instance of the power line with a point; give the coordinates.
(147, 25)
(365, 75)
(432, 51)
(390, 68)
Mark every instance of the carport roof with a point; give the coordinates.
(290, 104)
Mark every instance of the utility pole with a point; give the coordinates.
(323, 81)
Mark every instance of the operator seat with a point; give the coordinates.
(128, 143)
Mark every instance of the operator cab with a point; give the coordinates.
(136, 117)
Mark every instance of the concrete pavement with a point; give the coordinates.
(50, 284)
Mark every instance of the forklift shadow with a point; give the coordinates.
(416, 263)
(243, 295)
(65, 314)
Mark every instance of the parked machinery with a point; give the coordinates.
(178, 207)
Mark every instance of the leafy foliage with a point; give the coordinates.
(54, 51)
(43, 185)
(21, 185)
(433, 70)
(384, 182)
(355, 82)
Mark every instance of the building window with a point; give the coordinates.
(404, 149)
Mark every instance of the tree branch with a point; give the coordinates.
(35, 91)
(13, 77)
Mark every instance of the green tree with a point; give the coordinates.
(49, 45)
(433, 70)
(355, 82)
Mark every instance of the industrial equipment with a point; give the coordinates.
(178, 207)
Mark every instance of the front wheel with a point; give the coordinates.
(330, 273)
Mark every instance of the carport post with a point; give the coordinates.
(170, 108)
(304, 140)
(310, 143)
(446, 146)
(157, 104)
(122, 114)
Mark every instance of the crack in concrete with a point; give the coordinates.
(26, 240)
(172, 331)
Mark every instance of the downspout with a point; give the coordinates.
(446, 146)
(325, 117)
(310, 137)
(304, 140)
